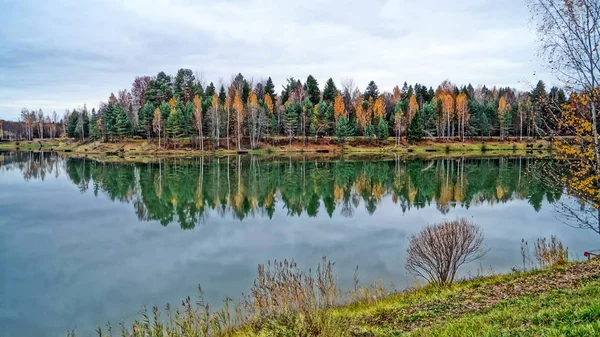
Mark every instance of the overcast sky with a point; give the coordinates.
(61, 54)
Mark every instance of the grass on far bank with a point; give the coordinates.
(356, 146)
(557, 301)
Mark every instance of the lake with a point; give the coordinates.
(84, 242)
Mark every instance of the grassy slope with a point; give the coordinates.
(560, 301)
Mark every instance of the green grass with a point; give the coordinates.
(558, 313)
(558, 301)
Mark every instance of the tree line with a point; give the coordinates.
(246, 112)
(32, 124)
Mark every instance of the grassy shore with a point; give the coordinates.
(557, 301)
(139, 149)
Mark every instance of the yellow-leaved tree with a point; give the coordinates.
(503, 116)
(379, 108)
(257, 120)
(238, 107)
(198, 119)
(413, 106)
(362, 115)
(338, 107)
(228, 102)
(447, 102)
(462, 113)
(578, 168)
(269, 103)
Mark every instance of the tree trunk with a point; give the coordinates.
(521, 127)
(228, 117)
(595, 132)
(238, 133)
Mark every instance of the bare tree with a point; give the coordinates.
(577, 213)
(257, 121)
(157, 123)
(347, 90)
(138, 92)
(125, 99)
(439, 250)
(569, 37)
(40, 119)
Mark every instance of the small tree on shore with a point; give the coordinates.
(439, 250)
(343, 129)
(415, 129)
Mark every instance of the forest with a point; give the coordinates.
(183, 109)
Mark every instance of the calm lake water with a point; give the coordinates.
(83, 243)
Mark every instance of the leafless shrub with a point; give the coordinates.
(439, 250)
(550, 253)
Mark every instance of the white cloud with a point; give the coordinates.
(62, 55)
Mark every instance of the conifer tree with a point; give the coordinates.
(122, 124)
(343, 129)
(270, 88)
(383, 131)
(329, 91)
(312, 89)
(290, 119)
(94, 127)
(415, 128)
(174, 123)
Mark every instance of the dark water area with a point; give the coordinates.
(84, 242)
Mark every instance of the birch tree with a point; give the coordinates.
(198, 120)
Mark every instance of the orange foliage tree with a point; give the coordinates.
(338, 107)
(583, 179)
(269, 103)
(462, 112)
(379, 108)
(447, 102)
(238, 107)
(413, 106)
(362, 115)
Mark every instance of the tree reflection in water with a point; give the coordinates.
(188, 191)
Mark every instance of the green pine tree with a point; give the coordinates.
(384, 132)
(370, 131)
(72, 124)
(145, 116)
(312, 89)
(109, 120)
(94, 130)
(330, 91)
(415, 128)
(290, 118)
(343, 129)
(174, 123)
(123, 124)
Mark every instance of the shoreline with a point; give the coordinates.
(549, 301)
(141, 150)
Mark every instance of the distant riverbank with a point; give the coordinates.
(324, 147)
